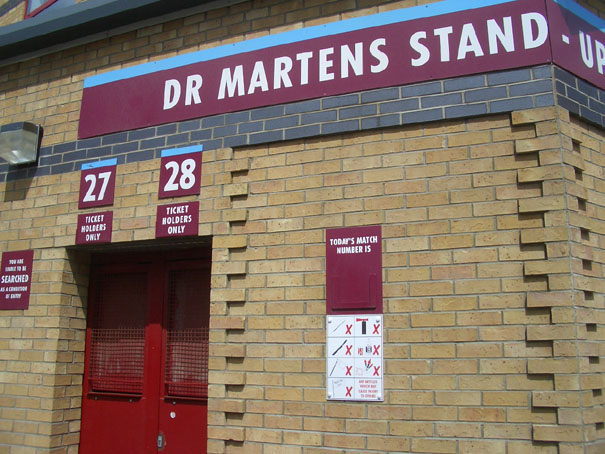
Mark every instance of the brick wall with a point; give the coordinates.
(583, 186)
(11, 11)
(497, 92)
(578, 97)
(492, 242)
(482, 318)
(491, 206)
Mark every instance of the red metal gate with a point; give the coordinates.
(146, 374)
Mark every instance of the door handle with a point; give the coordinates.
(161, 442)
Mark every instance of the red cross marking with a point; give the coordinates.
(349, 329)
(376, 373)
(349, 348)
(376, 352)
(349, 389)
(376, 328)
(348, 372)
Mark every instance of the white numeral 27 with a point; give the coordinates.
(92, 179)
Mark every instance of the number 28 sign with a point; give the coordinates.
(180, 172)
(97, 184)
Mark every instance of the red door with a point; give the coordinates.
(146, 373)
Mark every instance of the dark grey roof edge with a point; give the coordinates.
(71, 23)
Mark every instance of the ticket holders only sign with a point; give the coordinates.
(180, 175)
(355, 357)
(15, 279)
(178, 219)
(440, 40)
(94, 228)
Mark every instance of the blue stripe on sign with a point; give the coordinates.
(180, 151)
(105, 163)
(294, 36)
(582, 13)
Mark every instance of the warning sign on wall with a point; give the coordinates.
(354, 357)
(15, 279)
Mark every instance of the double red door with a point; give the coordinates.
(146, 373)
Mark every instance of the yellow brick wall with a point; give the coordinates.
(481, 328)
(586, 198)
(494, 311)
(493, 251)
(16, 14)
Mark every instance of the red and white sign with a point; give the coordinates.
(577, 45)
(179, 219)
(354, 365)
(435, 41)
(354, 270)
(97, 184)
(180, 172)
(15, 279)
(94, 228)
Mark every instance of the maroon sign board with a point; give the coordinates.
(97, 184)
(15, 279)
(94, 228)
(180, 172)
(178, 219)
(577, 45)
(354, 270)
(444, 39)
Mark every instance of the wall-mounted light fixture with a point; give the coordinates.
(19, 142)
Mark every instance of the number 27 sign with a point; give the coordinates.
(97, 184)
(180, 172)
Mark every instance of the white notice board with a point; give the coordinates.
(354, 365)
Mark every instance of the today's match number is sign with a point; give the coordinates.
(354, 270)
(354, 365)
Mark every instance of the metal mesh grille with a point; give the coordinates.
(186, 373)
(117, 344)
